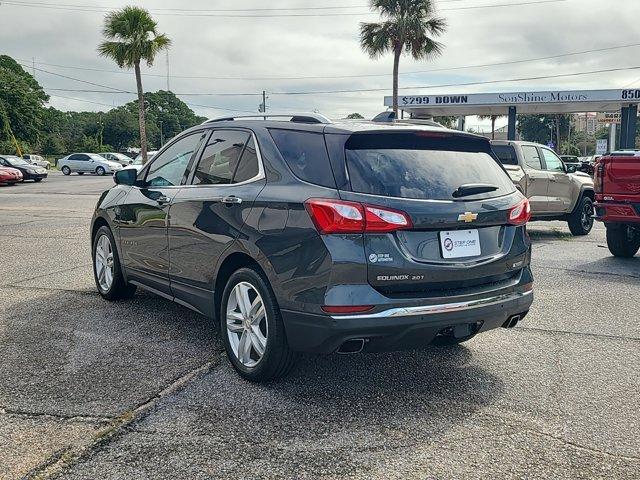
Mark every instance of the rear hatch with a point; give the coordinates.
(622, 175)
(458, 199)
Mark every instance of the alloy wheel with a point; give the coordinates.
(247, 327)
(587, 216)
(104, 263)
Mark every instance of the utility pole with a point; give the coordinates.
(262, 108)
(586, 130)
(168, 84)
(33, 67)
(558, 151)
(161, 135)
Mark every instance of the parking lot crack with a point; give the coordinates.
(58, 416)
(60, 461)
(582, 334)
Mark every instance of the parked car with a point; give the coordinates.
(617, 184)
(29, 172)
(588, 164)
(137, 162)
(10, 176)
(36, 160)
(82, 163)
(120, 158)
(307, 235)
(572, 162)
(555, 192)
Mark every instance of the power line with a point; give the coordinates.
(261, 9)
(487, 82)
(118, 90)
(213, 107)
(88, 8)
(364, 90)
(335, 77)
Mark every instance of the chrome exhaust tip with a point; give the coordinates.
(350, 347)
(512, 321)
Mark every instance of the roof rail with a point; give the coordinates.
(294, 117)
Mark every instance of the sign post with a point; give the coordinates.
(601, 146)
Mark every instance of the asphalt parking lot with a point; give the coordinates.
(140, 389)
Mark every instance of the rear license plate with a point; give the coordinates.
(460, 243)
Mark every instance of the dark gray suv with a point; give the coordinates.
(299, 234)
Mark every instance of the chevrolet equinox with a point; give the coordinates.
(302, 235)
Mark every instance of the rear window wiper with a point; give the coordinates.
(473, 189)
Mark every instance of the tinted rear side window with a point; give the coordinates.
(306, 155)
(506, 154)
(422, 168)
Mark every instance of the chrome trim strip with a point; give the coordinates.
(435, 309)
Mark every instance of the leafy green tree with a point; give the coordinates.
(166, 116)
(21, 103)
(354, 116)
(407, 26)
(52, 145)
(132, 37)
(539, 128)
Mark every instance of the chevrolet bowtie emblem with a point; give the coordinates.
(467, 217)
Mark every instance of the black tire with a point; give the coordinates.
(581, 220)
(623, 241)
(278, 359)
(119, 288)
(100, 171)
(66, 170)
(80, 173)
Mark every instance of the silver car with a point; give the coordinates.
(82, 163)
(120, 158)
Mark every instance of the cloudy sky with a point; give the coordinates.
(307, 46)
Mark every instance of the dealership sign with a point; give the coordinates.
(609, 118)
(626, 96)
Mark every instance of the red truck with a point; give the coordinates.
(617, 187)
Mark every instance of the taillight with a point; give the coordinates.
(521, 213)
(598, 177)
(384, 219)
(338, 216)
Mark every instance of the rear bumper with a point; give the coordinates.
(401, 328)
(618, 212)
(33, 176)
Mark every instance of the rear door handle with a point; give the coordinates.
(232, 200)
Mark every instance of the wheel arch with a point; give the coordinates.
(585, 191)
(236, 259)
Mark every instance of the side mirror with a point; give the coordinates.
(571, 168)
(127, 176)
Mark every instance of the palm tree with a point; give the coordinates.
(493, 119)
(407, 26)
(131, 37)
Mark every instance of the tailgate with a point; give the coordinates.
(458, 199)
(622, 176)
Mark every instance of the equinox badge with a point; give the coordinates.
(467, 217)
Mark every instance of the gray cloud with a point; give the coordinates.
(326, 46)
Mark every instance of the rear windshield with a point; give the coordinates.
(422, 168)
(506, 154)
